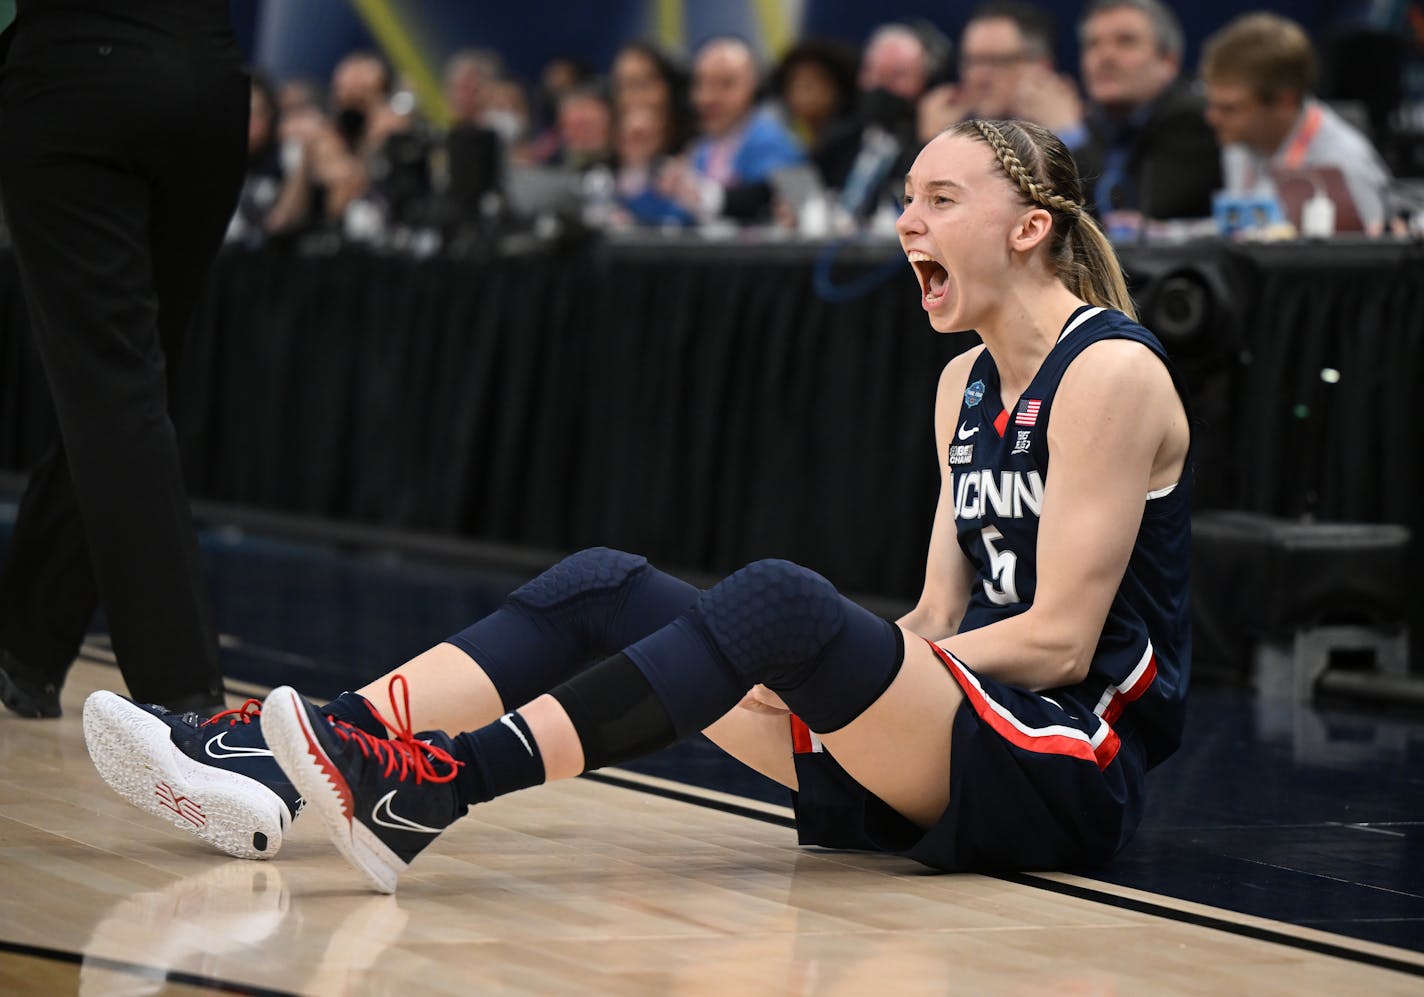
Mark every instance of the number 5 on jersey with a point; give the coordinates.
(999, 587)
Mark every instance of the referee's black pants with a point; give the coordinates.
(122, 151)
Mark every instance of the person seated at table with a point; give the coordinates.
(584, 125)
(814, 84)
(643, 75)
(1143, 144)
(558, 77)
(1258, 71)
(642, 148)
(739, 144)
(1006, 70)
(361, 108)
(867, 157)
(271, 184)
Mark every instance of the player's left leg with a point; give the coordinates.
(772, 623)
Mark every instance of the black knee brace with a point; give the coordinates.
(615, 712)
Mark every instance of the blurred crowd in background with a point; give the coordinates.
(818, 143)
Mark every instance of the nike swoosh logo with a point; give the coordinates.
(382, 814)
(965, 433)
(517, 733)
(225, 750)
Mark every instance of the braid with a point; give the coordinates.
(1038, 193)
(1081, 255)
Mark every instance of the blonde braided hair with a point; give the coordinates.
(1038, 193)
(1082, 257)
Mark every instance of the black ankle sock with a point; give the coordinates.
(355, 709)
(499, 758)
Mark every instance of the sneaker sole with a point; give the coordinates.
(136, 757)
(286, 726)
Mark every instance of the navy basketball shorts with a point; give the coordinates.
(1035, 783)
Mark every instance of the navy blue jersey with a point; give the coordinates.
(999, 460)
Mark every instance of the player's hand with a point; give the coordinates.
(760, 699)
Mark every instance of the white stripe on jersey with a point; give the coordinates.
(1054, 730)
(1132, 679)
(1079, 321)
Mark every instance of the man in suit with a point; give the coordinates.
(1006, 70)
(123, 127)
(1142, 144)
(740, 144)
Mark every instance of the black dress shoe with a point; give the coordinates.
(204, 704)
(25, 690)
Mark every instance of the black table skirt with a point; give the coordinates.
(708, 405)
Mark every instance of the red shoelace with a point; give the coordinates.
(413, 757)
(246, 713)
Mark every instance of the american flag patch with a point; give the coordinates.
(1027, 414)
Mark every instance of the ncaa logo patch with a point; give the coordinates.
(974, 394)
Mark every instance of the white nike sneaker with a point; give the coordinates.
(212, 776)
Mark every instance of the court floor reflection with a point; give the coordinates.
(201, 925)
(241, 924)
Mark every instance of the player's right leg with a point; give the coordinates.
(583, 608)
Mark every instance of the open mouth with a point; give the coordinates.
(933, 277)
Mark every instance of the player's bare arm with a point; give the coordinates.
(948, 573)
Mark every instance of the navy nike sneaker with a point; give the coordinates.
(212, 776)
(383, 801)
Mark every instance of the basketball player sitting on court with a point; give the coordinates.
(1006, 722)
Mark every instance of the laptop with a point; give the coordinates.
(543, 190)
(1296, 185)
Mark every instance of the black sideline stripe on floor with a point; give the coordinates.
(689, 797)
(155, 973)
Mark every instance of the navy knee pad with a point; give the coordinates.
(589, 573)
(780, 625)
(771, 620)
(786, 627)
(588, 606)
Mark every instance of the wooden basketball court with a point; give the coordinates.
(635, 886)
